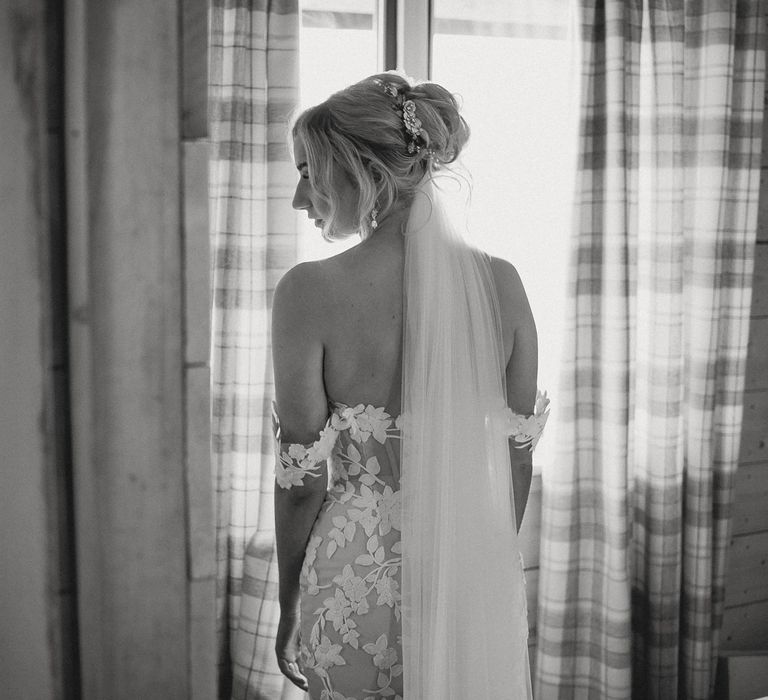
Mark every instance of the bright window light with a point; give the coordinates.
(512, 64)
(325, 67)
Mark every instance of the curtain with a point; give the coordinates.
(636, 509)
(253, 87)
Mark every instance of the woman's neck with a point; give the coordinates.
(393, 224)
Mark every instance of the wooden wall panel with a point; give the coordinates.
(747, 569)
(194, 70)
(760, 281)
(202, 639)
(757, 355)
(197, 258)
(27, 556)
(750, 507)
(744, 627)
(754, 432)
(126, 280)
(199, 486)
(201, 552)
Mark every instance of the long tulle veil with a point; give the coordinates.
(464, 608)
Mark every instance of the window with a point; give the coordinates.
(512, 64)
(325, 26)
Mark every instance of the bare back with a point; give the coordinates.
(362, 340)
(362, 334)
(337, 334)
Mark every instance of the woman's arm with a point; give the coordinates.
(521, 373)
(302, 408)
(296, 510)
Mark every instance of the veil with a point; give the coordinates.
(464, 607)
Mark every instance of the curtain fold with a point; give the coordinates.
(253, 88)
(636, 511)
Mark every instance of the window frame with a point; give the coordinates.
(413, 36)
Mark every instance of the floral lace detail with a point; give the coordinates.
(526, 430)
(359, 527)
(298, 461)
(350, 578)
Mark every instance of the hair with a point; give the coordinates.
(360, 131)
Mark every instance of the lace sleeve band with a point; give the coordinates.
(294, 461)
(526, 430)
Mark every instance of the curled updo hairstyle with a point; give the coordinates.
(360, 132)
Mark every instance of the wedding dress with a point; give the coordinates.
(412, 584)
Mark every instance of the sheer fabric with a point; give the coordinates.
(462, 577)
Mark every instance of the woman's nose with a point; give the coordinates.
(300, 199)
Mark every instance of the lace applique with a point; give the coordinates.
(299, 460)
(526, 430)
(362, 422)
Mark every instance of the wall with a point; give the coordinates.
(745, 626)
(104, 371)
(138, 320)
(35, 599)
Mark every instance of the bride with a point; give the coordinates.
(406, 411)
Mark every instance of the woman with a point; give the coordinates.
(399, 570)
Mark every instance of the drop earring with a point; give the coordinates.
(374, 214)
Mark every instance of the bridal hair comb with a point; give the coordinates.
(406, 109)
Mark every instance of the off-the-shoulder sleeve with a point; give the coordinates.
(526, 430)
(294, 461)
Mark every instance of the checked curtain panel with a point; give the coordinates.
(253, 88)
(636, 510)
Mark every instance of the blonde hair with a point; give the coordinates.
(360, 131)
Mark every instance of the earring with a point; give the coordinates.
(374, 214)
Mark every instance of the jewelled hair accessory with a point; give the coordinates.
(406, 109)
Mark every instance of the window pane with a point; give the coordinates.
(327, 25)
(512, 65)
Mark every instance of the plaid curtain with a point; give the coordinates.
(253, 87)
(636, 511)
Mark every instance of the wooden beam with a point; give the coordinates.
(744, 627)
(757, 357)
(194, 69)
(760, 280)
(762, 205)
(413, 38)
(750, 513)
(747, 569)
(27, 557)
(123, 108)
(754, 428)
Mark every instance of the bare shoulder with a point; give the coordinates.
(297, 353)
(301, 292)
(512, 296)
(517, 321)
